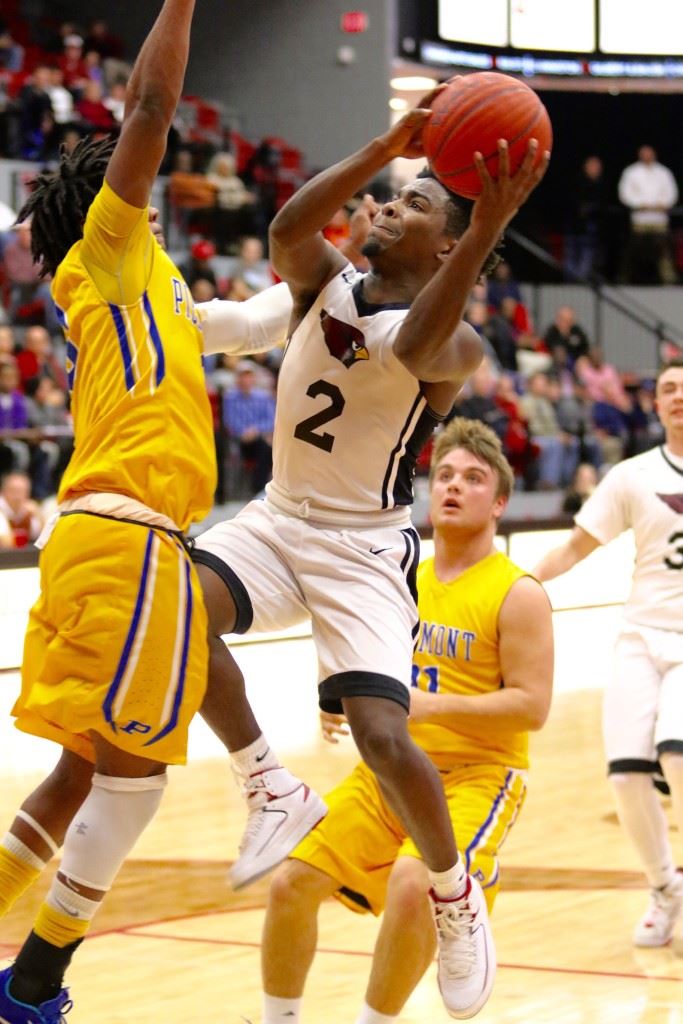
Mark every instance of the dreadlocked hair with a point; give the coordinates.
(60, 200)
(458, 213)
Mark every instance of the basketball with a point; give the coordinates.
(471, 114)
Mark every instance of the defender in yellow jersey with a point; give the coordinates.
(116, 651)
(482, 679)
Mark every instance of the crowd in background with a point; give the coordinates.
(563, 413)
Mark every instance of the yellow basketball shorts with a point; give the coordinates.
(360, 838)
(117, 641)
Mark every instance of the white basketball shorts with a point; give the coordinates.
(643, 703)
(356, 584)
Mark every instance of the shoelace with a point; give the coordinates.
(252, 792)
(455, 922)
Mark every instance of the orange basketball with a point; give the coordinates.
(470, 115)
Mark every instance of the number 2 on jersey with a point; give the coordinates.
(306, 430)
(432, 673)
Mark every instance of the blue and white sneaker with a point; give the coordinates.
(14, 1012)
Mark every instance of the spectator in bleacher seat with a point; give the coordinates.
(7, 343)
(477, 400)
(36, 117)
(251, 271)
(115, 100)
(477, 316)
(584, 245)
(234, 202)
(502, 285)
(646, 430)
(37, 359)
(575, 416)
(72, 63)
(561, 370)
(102, 40)
(559, 451)
(520, 450)
(502, 333)
(602, 380)
(20, 511)
(61, 99)
(565, 331)
(261, 176)
(199, 265)
(583, 484)
(249, 414)
(30, 296)
(92, 109)
(11, 52)
(14, 451)
(649, 190)
(190, 194)
(47, 412)
(203, 290)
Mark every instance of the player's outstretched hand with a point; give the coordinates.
(501, 197)
(333, 726)
(405, 137)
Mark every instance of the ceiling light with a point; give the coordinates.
(416, 83)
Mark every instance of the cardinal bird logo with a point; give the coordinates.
(674, 501)
(344, 341)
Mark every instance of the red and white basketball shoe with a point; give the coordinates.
(466, 954)
(282, 810)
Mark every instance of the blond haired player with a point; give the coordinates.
(643, 704)
(482, 679)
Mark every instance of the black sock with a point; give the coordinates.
(39, 969)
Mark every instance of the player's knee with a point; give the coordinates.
(408, 888)
(71, 777)
(630, 782)
(296, 884)
(381, 747)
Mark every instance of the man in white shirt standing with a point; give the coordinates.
(649, 190)
(643, 704)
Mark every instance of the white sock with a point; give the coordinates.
(448, 885)
(369, 1016)
(644, 822)
(22, 852)
(281, 1011)
(257, 757)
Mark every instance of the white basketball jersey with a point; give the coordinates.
(645, 493)
(350, 419)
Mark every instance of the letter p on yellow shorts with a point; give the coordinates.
(116, 643)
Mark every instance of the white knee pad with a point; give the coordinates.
(106, 827)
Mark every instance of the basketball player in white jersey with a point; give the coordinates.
(373, 364)
(643, 705)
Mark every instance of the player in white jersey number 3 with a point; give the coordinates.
(372, 365)
(643, 706)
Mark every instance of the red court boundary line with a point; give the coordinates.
(205, 940)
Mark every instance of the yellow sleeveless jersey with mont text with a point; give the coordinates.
(456, 651)
(142, 418)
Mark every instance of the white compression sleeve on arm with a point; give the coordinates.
(239, 328)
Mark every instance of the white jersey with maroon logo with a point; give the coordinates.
(645, 493)
(350, 419)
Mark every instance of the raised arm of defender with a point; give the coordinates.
(152, 97)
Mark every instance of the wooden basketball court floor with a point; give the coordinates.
(173, 943)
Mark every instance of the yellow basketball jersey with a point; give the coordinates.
(142, 419)
(456, 651)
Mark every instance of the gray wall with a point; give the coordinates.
(275, 63)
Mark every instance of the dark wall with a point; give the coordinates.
(275, 63)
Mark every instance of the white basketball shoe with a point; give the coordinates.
(282, 810)
(656, 927)
(466, 955)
